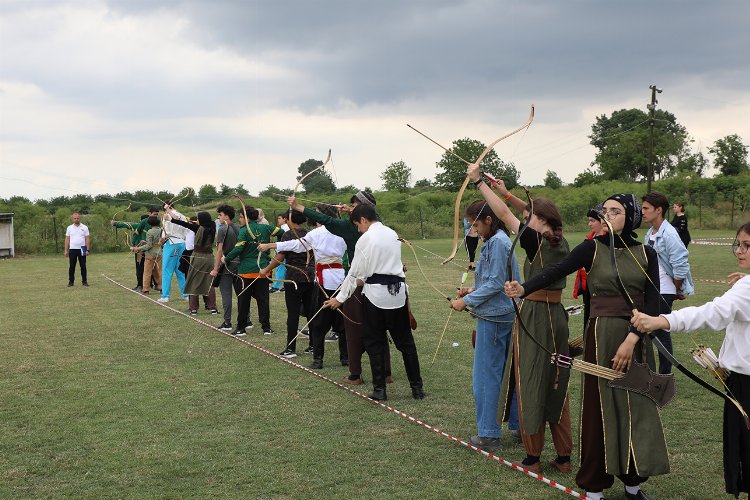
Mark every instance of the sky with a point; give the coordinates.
(104, 96)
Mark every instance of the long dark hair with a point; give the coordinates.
(545, 209)
(479, 210)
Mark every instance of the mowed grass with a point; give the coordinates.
(105, 394)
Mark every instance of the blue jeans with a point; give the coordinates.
(170, 260)
(490, 354)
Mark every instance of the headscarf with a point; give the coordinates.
(632, 218)
(596, 211)
(364, 198)
(209, 229)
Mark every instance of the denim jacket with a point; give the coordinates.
(488, 298)
(673, 256)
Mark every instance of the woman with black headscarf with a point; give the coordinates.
(198, 280)
(621, 431)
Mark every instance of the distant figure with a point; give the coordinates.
(77, 247)
(680, 222)
(471, 241)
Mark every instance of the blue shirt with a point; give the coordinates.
(488, 298)
(673, 256)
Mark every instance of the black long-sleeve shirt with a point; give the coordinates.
(582, 256)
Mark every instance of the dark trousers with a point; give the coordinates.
(298, 301)
(75, 255)
(471, 243)
(258, 290)
(354, 330)
(380, 322)
(327, 319)
(229, 281)
(665, 307)
(139, 259)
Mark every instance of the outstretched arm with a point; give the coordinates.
(496, 204)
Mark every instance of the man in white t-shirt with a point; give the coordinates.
(77, 247)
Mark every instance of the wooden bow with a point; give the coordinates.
(294, 195)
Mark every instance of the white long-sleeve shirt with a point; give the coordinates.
(730, 311)
(327, 248)
(174, 233)
(378, 251)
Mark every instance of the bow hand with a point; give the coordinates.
(458, 304)
(472, 170)
(513, 289)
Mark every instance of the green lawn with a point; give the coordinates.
(105, 394)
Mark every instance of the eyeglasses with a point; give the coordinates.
(611, 213)
(740, 248)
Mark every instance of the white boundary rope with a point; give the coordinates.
(408, 417)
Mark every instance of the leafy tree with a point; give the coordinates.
(588, 176)
(423, 183)
(396, 177)
(225, 190)
(623, 143)
(319, 182)
(552, 180)
(691, 163)
(730, 155)
(454, 170)
(272, 192)
(207, 192)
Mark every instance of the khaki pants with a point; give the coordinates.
(151, 267)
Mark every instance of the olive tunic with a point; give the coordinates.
(542, 387)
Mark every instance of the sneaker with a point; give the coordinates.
(288, 354)
(193, 312)
(308, 350)
(85, 285)
(137, 288)
(226, 327)
(332, 337)
(249, 325)
(214, 311)
(304, 333)
(268, 331)
(239, 333)
(486, 443)
(70, 283)
(163, 299)
(316, 364)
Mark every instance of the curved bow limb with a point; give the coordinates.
(294, 195)
(457, 207)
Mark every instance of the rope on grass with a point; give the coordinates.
(391, 409)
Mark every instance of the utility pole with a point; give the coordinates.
(652, 109)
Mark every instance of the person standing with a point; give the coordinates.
(299, 299)
(621, 431)
(226, 238)
(495, 317)
(675, 281)
(198, 277)
(254, 285)
(77, 247)
(730, 311)
(353, 309)
(541, 388)
(680, 222)
(471, 241)
(173, 244)
(139, 230)
(151, 248)
(377, 262)
(329, 250)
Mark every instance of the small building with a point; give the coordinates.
(7, 242)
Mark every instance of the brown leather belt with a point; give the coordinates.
(612, 306)
(550, 296)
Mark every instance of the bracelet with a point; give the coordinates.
(478, 181)
(507, 197)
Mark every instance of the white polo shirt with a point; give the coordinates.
(77, 235)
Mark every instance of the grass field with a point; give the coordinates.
(104, 394)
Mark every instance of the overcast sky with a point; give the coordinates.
(108, 96)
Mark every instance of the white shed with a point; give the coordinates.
(7, 243)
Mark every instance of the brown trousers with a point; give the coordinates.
(151, 267)
(355, 311)
(562, 436)
(209, 300)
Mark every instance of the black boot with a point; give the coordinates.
(377, 365)
(411, 363)
(317, 364)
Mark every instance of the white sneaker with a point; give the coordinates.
(163, 299)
